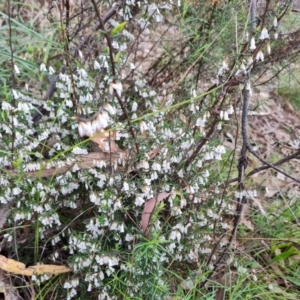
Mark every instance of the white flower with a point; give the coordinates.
(230, 110)
(156, 166)
(275, 35)
(117, 87)
(109, 109)
(154, 175)
(115, 45)
(125, 186)
(221, 114)
(51, 70)
(79, 151)
(260, 56)
(220, 72)
(252, 44)
(201, 121)
(94, 198)
(114, 226)
(69, 103)
(22, 106)
(269, 48)
(206, 173)
(16, 94)
(220, 149)
(226, 118)
(6, 106)
(143, 127)
(103, 120)
(296, 144)
(248, 86)
(16, 191)
(16, 68)
(207, 156)
(85, 129)
(225, 65)
(249, 61)
(264, 34)
(134, 106)
(190, 190)
(143, 165)
(182, 202)
(218, 156)
(96, 65)
(180, 174)
(75, 282)
(187, 144)
(275, 22)
(129, 237)
(199, 163)
(67, 285)
(246, 37)
(175, 235)
(43, 68)
(241, 70)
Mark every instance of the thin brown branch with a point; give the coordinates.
(295, 155)
(108, 39)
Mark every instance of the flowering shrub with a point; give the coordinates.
(121, 125)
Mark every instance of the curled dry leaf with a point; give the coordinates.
(16, 267)
(153, 153)
(149, 208)
(106, 142)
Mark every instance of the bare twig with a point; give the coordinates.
(295, 155)
(13, 68)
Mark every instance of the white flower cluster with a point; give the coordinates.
(115, 198)
(248, 193)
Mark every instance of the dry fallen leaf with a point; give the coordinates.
(148, 209)
(16, 267)
(153, 153)
(106, 142)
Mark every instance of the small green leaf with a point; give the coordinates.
(117, 57)
(17, 163)
(118, 28)
(293, 280)
(283, 255)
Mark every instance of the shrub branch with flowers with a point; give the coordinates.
(113, 155)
